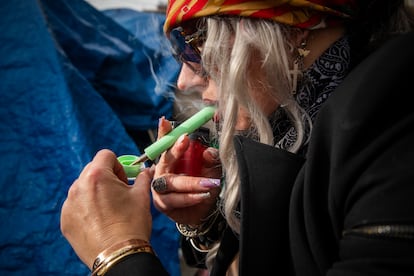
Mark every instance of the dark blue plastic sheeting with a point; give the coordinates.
(73, 80)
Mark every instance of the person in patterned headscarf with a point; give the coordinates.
(305, 155)
(276, 64)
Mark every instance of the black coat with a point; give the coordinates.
(348, 209)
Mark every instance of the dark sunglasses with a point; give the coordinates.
(185, 49)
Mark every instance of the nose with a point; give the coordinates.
(189, 80)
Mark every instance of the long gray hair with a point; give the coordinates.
(231, 46)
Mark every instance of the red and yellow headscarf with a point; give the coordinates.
(307, 14)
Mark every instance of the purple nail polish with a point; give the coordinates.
(210, 182)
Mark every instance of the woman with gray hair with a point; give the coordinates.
(296, 186)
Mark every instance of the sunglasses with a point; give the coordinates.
(185, 49)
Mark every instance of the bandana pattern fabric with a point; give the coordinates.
(306, 14)
(318, 82)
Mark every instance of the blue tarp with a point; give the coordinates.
(73, 80)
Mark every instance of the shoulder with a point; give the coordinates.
(388, 64)
(368, 122)
(379, 84)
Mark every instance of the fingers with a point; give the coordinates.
(178, 149)
(211, 157)
(168, 159)
(185, 199)
(183, 184)
(143, 180)
(101, 209)
(159, 184)
(104, 159)
(164, 126)
(170, 203)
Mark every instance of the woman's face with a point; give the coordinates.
(189, 80)
(193, 77)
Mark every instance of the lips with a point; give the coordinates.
(210, 102)
(216, 117)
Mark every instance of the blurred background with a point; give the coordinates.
(138, 5)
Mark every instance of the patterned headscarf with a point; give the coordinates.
(306, 14)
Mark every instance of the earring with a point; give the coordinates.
(302, 52)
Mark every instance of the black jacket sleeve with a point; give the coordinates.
(143, 264)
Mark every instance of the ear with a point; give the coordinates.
(301, 36)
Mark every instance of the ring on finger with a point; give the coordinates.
(159, 184)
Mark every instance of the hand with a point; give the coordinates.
(186, 199)
(211, 166)
(102, 209)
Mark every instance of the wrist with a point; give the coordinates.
(202, 237)
(191, 230)
(112, 255)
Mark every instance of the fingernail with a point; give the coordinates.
(202, 195)
(181, 138)
(214, 152)
(159, 184)
(210, 182)
(160, 120)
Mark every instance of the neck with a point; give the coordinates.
(320, 40)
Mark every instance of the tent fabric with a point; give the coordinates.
(73, 80)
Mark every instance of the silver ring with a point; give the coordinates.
(159, 184)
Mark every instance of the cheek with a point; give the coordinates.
(243, 120)
(261, 94)
(266, 103)
(210, 92)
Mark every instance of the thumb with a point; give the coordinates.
(143, 181)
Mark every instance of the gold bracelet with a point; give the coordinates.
(107, 258)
